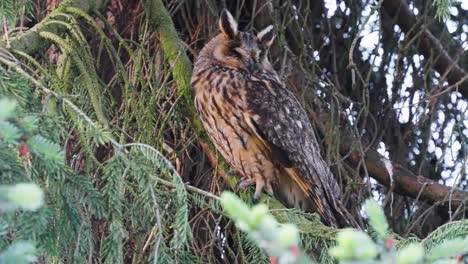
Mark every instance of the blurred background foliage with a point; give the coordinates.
(103, 122)
(281, 241)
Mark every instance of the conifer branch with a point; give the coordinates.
(31, 42)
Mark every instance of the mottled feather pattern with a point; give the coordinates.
(222, 110)
(287, 127)
(259, 126)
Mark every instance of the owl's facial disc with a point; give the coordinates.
(248, 52)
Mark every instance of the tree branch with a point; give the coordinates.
(407, 183)
(31, 42)
(429, 46)
(404, 181)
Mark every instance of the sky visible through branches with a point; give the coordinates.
(453, 169)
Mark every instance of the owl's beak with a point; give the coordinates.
(252, 65)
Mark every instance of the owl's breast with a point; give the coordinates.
(221, 102)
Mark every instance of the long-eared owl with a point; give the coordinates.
(259, 126)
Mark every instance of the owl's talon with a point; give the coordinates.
(256, 200)
(258, 190)
(231, 173)
(269, 189)
(244, 184)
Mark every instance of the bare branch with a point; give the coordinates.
(429, 45)
(403, 181)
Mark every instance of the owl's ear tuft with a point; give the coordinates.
(227, 24)
(267, 36)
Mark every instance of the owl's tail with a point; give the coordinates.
(295, 192)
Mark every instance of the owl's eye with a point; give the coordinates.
(235, 54)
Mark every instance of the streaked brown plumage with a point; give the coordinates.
(259, 126)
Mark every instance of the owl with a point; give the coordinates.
(259, 126)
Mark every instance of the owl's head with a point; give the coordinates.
(237, 49)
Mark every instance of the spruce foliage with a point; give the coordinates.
(97, 123)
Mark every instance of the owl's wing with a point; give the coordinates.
(280, 121)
